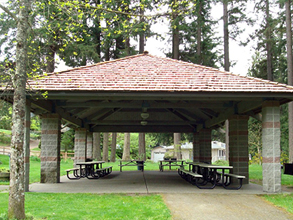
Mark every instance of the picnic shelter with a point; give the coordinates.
(145, 93)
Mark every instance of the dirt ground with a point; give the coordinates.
(219, 206)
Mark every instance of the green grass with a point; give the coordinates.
(255, 175)
(91, 206)
(35, 168)
(281, 200)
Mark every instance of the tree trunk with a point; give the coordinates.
(16, 190)
(226, 62)
(290, 74)
(141, 34)
(226, 36)
(105, 146)
(97, 146)
(113, 147)
(50, 59)
(269, 43)
(177, 145)
(198, 37)
(141, 147)
(126, 148)
(175, 30)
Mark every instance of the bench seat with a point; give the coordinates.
(131, 165)
(104, 171)
(161, 167)
(228, 180)
(75, 174)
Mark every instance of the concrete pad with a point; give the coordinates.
(137, 182)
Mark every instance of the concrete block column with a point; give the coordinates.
(205, 148)
(89, 145)
(196, 147)
(80, 139)
(50, 148)
(271, 147)
(238, 144)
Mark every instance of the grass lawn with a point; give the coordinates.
(91, 206)
(281, 200)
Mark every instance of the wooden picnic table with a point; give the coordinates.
(170, 163)
(138, 163)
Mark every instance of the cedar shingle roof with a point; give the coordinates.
(150, 73)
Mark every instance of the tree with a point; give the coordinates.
(96, 145)
(105, 146)
(113, 147)
(290, 74)
(16, 192)
(126, 148)
(141, 147)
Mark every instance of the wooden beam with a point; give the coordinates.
(138, 104)
(138, 122)
(145, 129)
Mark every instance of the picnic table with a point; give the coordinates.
(90, 170)
(139, 163)
(214, 174)
(170, 163)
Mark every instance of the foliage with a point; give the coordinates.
(4, 138)
(199, 22)
(67, 140)
(149, 141)
(5, 115)
(221, 163)
(170, 154)
(271, 32)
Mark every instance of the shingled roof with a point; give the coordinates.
(150, 73)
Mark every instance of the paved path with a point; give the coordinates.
(220, 206)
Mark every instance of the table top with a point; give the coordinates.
(215, 166)
(171, 160)
(205, 165)
(89, 163)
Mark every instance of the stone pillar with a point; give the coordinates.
(50, 148)
(271, 147)
(196, 147)
(27, 146)
(205, 148)
(89, 145)
(238, 145)
(80, 145)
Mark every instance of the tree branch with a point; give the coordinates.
(8, 12)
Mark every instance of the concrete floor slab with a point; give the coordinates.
(137, 182)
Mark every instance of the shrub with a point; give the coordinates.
(221, 163)
(35, 158)
(4, 138)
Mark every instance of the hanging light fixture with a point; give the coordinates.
(143, 123)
